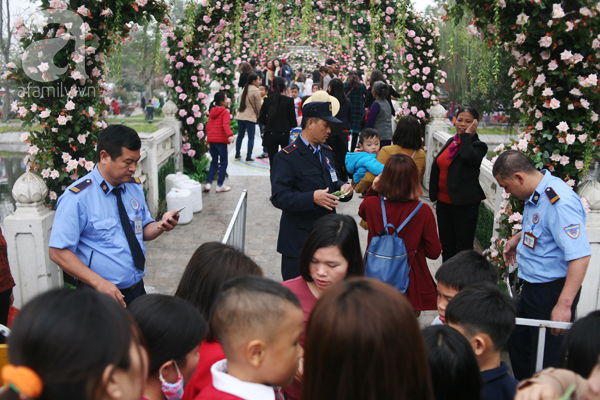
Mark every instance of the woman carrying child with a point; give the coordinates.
(330, 254)
(248, 115)
(406, 140)
(400, 188)
(218, 135)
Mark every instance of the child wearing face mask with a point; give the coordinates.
(331, 254)
(173, 330)
(258, 322)
(365, 159)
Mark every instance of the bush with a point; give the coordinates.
(485, 226)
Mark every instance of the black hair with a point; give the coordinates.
(581, 347)
(171, 326)
(336, 89)
(250, 303)
(251, 78)
(264, 85)
(279, 86)
(114, 137)
(295, 87)
(454, 369)
(381, 89)
(353, 81)
(466, 268)
(510, 162)
(330, 61)
(483, 308)
(470, 110)
(333, 230)
(252, 62)
(408, 133)
(367, 134)
(217, 100)
(68, 338)
(305, 120)
(376, 76)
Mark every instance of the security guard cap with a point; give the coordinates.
(319, 109)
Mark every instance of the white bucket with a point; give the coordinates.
(172, 180)
(196, 189)
(178, 198)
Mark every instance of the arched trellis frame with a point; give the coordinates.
(204, 47)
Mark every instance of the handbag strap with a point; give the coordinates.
(385, 223)
(412, 214)
(413, 154)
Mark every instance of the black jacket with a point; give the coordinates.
(296, 174)
(285, 118)
(463, 173)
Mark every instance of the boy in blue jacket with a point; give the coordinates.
(365, 160)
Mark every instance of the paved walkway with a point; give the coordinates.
(168, 255)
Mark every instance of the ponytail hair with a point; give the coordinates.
(279, 85)
(217, 100)
(251, 78)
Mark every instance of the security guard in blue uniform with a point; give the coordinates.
(102, 221)
(303, 180)
(552, 252)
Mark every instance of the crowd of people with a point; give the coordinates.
(329, 330)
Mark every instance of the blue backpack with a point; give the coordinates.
(386, 257)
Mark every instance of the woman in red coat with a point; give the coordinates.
(218, 136)
(399, 185)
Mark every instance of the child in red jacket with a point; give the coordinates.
(218, 135)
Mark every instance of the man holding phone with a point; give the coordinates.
(102, 221)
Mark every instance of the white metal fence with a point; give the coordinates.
(236, 231)
(542, 325)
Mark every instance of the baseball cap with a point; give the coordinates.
(330, 110)
(319, 109)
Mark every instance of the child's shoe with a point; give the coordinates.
(223, 189)
(207, 187)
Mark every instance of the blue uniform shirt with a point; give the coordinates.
(559, 229)
(317, 150)
(88, 224)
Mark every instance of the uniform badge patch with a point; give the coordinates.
(552, 196)
(573, 231)
(81, 185)
(290, 148)
(536, 218)
(135, 204)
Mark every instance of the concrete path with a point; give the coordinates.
(168, 255)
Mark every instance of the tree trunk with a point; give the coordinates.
(6, 105)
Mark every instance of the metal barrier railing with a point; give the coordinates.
(236, 231)
(543, 325)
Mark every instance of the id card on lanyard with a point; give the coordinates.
(331, 170)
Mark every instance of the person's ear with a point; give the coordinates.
(255, 352)
(104, 157)
(169, 372)
(110, 384)
(479, 344)
(519, 177)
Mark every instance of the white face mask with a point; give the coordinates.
(172, 391)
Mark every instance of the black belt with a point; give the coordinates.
(131, 287)
(557, 282)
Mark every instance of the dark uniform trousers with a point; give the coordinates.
(297, 172)
(130, 294)
(536, 302)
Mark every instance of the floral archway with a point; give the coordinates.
(216, 36)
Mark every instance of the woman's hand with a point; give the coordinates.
(231, 139)
(472, 129)
(537, 391)
(375, 182)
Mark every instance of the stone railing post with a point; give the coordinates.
(590, 291)
(215, 86)
(170, 109)
(27, 233)
(438, 116)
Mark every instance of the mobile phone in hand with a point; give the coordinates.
(176, 213)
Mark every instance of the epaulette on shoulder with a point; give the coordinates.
(135, 180)
(326, 146)
(552, 196)
(290, 148)
(81, 185)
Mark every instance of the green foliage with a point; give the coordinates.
(485, 226)
(198, 170)
(168, 168)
